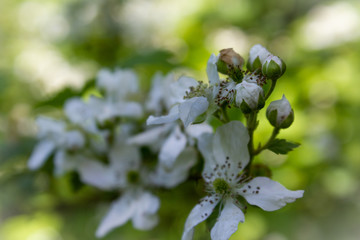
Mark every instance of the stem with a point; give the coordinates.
(273, 84)
(224, 115)
(251, 122)
(272, 137)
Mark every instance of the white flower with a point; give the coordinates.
(137, 205)
(119, 84)
(226, 155)
(54, 138)
(124, 172)
(175, 147)
(185, 109)
(249, 93)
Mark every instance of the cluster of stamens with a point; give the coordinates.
(198, 91)
(225, 94)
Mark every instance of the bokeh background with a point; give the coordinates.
(51, 50)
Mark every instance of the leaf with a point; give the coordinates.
(281, 146)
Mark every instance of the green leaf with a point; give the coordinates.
(281, 146)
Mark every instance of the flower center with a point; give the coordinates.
(133, 177)
(221, 186)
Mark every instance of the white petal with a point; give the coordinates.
(40, 154)
(230, 144)
(150, 136)
(192, 108)
(146, 206)
(154, 102)
(196, 130)
(48, 127)
(172, 147)
(97, 174)
(171, 117)
(128, 109)
(177, 90)
(120, 212)
(198, 214)
(170, 178)
(74, 139)
(228, 221)
(268, 194)
(205, 145)
(211, 70)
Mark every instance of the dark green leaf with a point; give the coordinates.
(281, 146)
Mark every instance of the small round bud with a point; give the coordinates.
(280, 114)
(273, 67)
(257, 56)
(249, 97)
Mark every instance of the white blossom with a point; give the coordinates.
(54, 138)
(226, 155)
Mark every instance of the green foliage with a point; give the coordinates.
(281, 146)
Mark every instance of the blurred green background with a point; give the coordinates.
(51, 49)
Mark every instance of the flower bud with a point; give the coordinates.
(280, 114)
(230, 63)
(257, 56)
(273, 67)
(249, 97)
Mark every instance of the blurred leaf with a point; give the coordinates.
(61, 97)
(281, 146)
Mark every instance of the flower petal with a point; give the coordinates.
(173, 115)
(128, 109)
(172, 147)
(268, 194)
(150, 136)
(198, 214)
(205, 146)
(228, 221)
(170, 178)
(230, 146)
(97, 174)
(192, 108)
(146, 206)
(40, 154)
(211, 70)
(177, 90)
(120, 212)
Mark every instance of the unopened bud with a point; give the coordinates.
(273, 67)
(257, 57)
(230, 63)
(249, 97)
(280, 114)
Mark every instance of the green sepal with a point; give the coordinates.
(245, 107)
(256, 65)
(272, 70)
(222, 67)
(281, 146)
(261, 101)
(288, 121)
(272, 117)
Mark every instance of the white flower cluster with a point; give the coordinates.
(101, 139)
